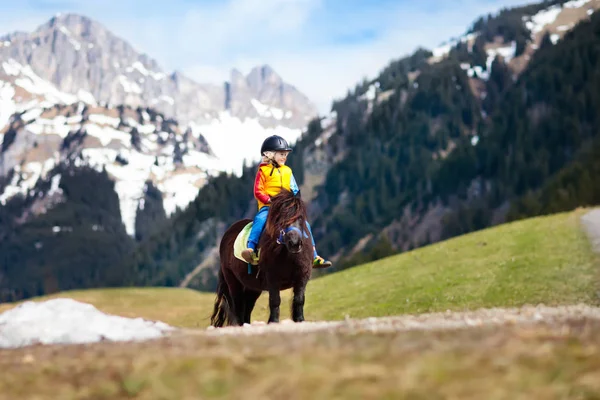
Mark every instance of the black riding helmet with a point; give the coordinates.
(275, 143)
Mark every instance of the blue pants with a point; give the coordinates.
(260, 220)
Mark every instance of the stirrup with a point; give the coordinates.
(320, 262)
(250, 256)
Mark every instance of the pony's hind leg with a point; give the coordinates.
(236, 292)
(298, 302)
(250, 298)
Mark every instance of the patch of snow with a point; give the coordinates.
(148, 144)
(575, 3)
(7, 104)
(180, 189)
(107, 134)
(25, 179)
(68, 33)
(104, 120)
(144, 71)
(54, 185)
(485, 75)
(67, 321)
(56, 126)
(443, 49)
(129, 184)
(536, 22)
(370, 94)
(261, 109)
(554, 38)
(32, 114)
(11, 67)
(73, 119)
(590, 11)
(277, 113)
(167, 99)
(563, 28)
(474, 140)
(139, 66)
(267, 111)
(233, 141)
(506, 52)
(31, 82)
(86, 97)
(129, 86)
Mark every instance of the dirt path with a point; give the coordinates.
(431, 321)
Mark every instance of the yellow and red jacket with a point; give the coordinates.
(270, 180)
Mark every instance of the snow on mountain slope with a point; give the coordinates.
(555, 20)
(43, 126)
(134, 145)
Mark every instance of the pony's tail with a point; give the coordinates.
(221, 309)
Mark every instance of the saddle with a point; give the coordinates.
(241, 242)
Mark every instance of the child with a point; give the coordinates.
(272, 177)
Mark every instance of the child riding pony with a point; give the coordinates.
(272, 177)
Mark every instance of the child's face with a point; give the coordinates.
(281, 157)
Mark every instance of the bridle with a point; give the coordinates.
(285, 231)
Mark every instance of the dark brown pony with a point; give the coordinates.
(286, 256)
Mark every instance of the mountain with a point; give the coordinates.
(494, 125)
(134, 146)
(80, 56)
(451, 140)
(73, 90)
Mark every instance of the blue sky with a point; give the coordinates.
(323, 47)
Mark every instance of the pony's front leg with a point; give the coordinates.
(298, 302)
(274, 303)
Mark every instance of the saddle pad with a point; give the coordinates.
(241, 241)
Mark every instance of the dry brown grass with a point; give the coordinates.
(512, 362)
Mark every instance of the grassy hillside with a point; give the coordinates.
(541, 260)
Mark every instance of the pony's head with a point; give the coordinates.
(287, 221)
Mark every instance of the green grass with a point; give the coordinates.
(541, 260)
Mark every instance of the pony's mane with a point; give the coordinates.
(285, 210)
